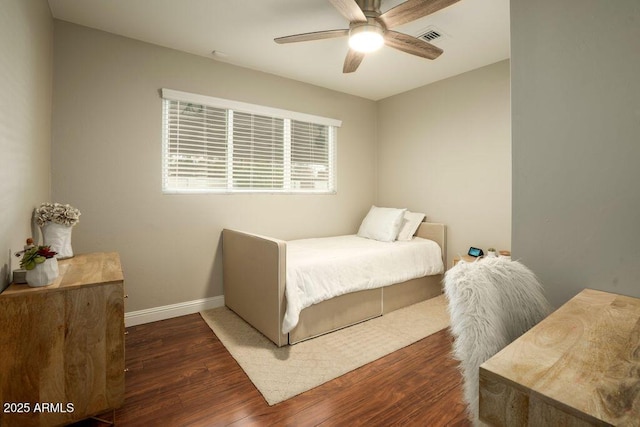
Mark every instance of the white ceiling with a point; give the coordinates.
(476, 34)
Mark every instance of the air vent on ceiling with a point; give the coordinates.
(431, 34)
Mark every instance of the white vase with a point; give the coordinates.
(43, 274)
(58, 237)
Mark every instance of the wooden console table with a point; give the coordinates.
(62, 346)
(579, 366)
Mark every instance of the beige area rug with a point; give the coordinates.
(281, 373)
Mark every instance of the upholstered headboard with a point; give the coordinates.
(436, 232)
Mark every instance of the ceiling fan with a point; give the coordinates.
(369, 29)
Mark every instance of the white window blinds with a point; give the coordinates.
(217, 145)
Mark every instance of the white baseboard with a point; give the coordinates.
(149, 315)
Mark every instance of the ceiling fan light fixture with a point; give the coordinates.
(366, 37)
(369, 29)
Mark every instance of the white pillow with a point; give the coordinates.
(382, 224)
(410, 225)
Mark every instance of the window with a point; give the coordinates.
(215, 145)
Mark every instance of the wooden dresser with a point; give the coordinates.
(578, 367)
(62, 346)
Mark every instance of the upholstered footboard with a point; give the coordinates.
(254, 276)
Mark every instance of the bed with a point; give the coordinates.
(255, 287)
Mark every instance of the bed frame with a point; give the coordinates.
(254, 282)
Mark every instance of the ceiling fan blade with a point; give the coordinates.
(352, 61)
(412, 10)
(349, 9)
(318, 35)
(411, 45)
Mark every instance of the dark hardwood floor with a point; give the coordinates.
(180, 374)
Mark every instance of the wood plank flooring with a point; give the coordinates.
(180, 374)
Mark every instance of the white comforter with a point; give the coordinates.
(320, 269)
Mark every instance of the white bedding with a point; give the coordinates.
(323, 268)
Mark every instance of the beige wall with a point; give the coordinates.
(576, 143)
(26, 69)
(107, 155)
(445, 149)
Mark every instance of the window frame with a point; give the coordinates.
(232, 107)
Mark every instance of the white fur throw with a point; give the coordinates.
(491, 303)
